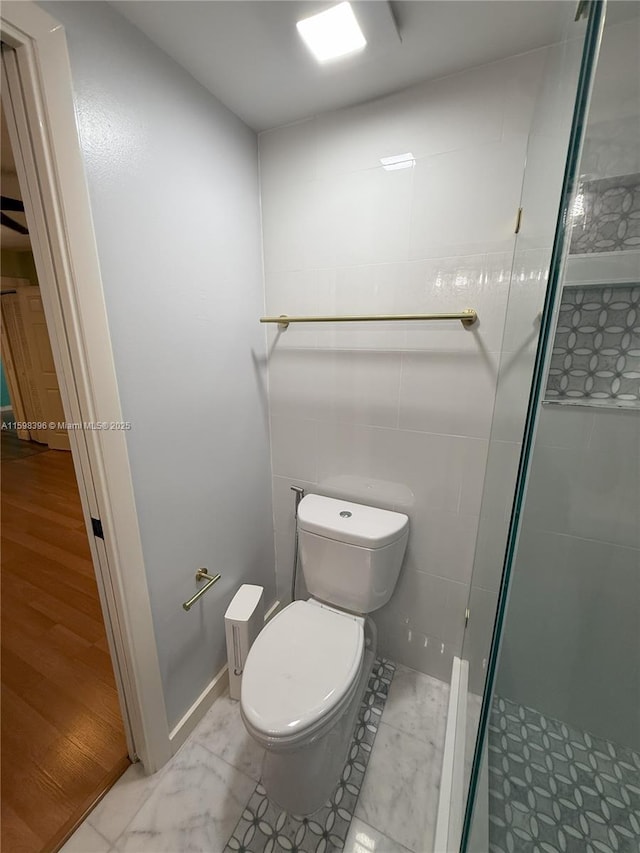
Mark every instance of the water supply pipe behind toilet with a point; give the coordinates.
(299, 491)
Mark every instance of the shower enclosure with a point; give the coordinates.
(547, 742)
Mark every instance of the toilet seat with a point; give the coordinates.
(301, 671)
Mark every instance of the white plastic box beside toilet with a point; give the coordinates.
(243, 621)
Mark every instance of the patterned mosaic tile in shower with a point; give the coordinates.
(606, 215)
(596, 351)
(555, 789)
(266, 828)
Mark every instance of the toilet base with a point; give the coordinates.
(300, 780)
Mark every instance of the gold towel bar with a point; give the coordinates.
(467, 317)
(201, 575)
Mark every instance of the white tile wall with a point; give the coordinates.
(465, 201)
(589, 490)
(396, 415)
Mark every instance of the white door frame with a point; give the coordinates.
(37, 96)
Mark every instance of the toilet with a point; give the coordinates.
(307, 671)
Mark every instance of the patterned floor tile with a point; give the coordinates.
(555, 789)
(265, 828)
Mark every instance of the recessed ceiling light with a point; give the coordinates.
(332, 33)
(398, 161)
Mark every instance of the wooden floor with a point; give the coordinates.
(62, 736)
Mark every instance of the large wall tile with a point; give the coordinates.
(543, 186)
(472, 457)
(293, 292)
(557, 86)
(294, 447)
(446, 284)
(455, 112)
(362, 289)
(441, 614)
(398, 415)
(458, 112)
(363, 217)
(524, 81)
(572, 625)
(565, 426)
(512, 394)
(448, 392)
(417, 651)
(477, 639)
(336, 385)
(442, 543)
(529, 275)
(431, 592)
(466, 201)
(357, 138)
(611, 148)
(497, 501)
(593, 491)
(422, 470)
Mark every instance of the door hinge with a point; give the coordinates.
(518, 220)
(467, 613)
(582, 9)
(96, 525)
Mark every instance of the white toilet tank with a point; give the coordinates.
(351, 554)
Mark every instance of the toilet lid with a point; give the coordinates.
(300, 667)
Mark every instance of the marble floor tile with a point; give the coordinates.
(399, 796)
(194, 808)
(417, 705)
(363, 838)
(118, 808)
(223, 733)
(86, 840)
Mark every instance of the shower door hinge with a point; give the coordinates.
(467, 613)
(582, 9)
(96, 526)
(518, 220)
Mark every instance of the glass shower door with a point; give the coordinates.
(557, 763)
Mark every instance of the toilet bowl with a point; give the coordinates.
(307, 671)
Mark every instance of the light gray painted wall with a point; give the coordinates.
(173, 180)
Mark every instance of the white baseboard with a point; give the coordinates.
(271, 612)
(216, 687)
(450, 803)
(196, 712)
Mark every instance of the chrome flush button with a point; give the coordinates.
(345, 514)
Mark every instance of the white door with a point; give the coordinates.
(28, 338)
(19, 406)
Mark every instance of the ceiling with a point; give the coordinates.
(250, 56)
